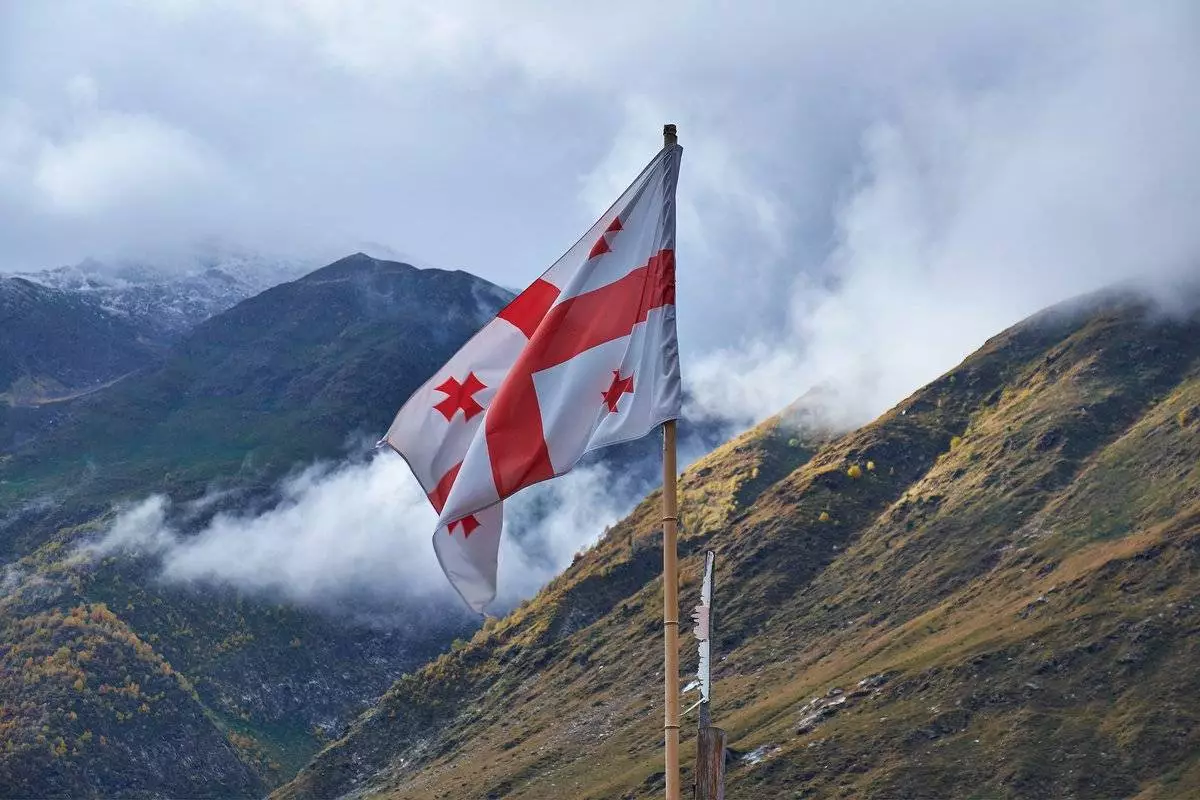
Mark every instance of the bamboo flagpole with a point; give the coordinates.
(670, 521)
(670, 613)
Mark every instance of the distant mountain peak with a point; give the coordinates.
(56, 343)
(168, 299)
(357, 264)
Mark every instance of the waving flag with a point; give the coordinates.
(585, 357)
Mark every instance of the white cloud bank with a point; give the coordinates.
(363, 529)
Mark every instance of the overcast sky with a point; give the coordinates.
(868, 189)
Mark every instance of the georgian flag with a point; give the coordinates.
(585, 357)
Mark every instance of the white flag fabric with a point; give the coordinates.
(702, 616)
(587, 356)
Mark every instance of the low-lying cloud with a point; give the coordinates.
(362, 529)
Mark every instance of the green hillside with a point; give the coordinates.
(55, 344)
(989, 592)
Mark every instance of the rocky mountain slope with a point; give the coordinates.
(992, 591)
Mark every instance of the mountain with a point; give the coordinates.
(108, 669)
(117, 683)
(165, 300)
(989, 592)
(74, 330)
(283, 378)
(55, 344)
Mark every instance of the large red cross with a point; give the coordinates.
(515, 438)
(513, 424)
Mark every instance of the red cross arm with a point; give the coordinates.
(515, 438)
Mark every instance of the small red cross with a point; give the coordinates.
(601, 246)
(460, 396)
(468, 525)
(619, 387)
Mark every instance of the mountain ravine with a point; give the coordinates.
(992, 591)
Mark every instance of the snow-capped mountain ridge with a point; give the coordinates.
(169, 299)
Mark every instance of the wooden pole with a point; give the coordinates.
(710, 764)
(670, 612)
(670, 522)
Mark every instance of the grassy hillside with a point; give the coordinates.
(989, 592)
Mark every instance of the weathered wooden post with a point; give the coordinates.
(710, 764)
(710, 741)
